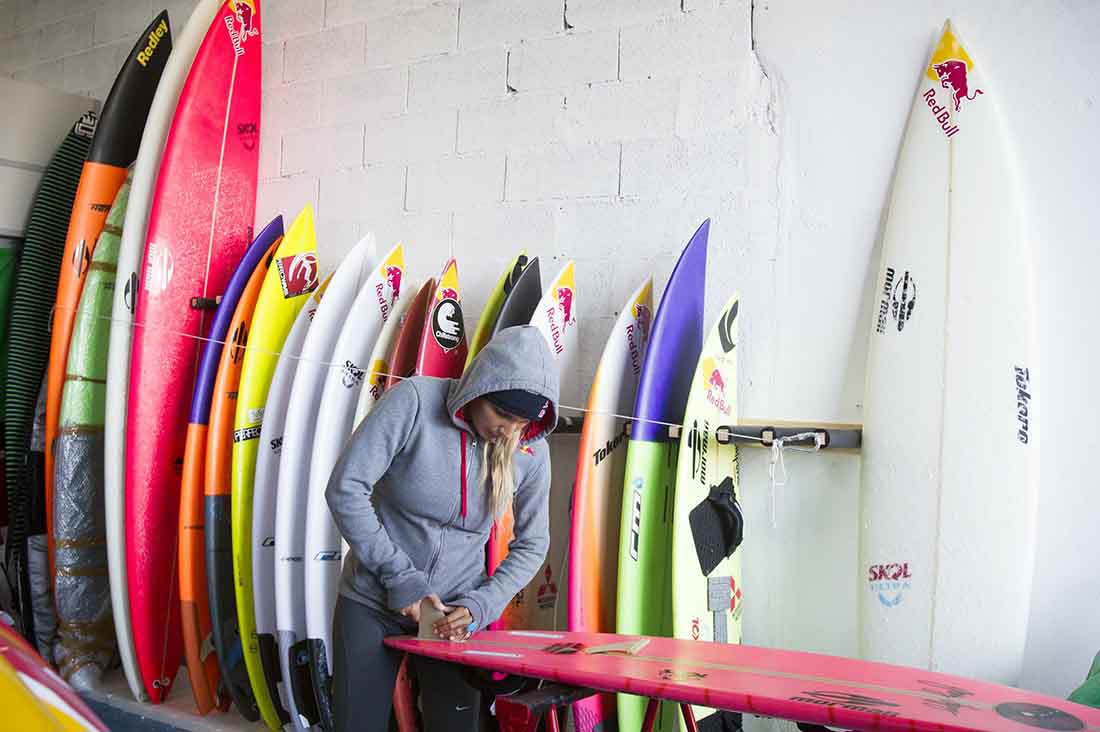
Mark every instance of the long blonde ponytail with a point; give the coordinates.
(497, 456)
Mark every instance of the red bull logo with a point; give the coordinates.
(717, 381)
(298, 274)
(643, 316)
(244, 14)
(952, 75)
(565, 304)
(393, 279)
(448, 293)
(716, 391)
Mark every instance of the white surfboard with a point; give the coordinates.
(950, 460)
(706, 601)
(130, 253)
(343, 383)
(298, 432)
(266, 488)
(542, 603)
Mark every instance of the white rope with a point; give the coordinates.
(777, 464)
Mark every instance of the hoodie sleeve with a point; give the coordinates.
(382, 435)
(526, 552)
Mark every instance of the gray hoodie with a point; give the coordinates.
(417, 525)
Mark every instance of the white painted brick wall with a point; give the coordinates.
(402, 38)
(415, 136)
(564, 61)
(488, 22)
(563, 171)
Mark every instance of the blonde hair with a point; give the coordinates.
(497, 471)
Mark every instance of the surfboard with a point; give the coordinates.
(130, 253)
(443, 346)
(292, 277)
(81, 589)
(113, 149)
(706, 589)
(200, 224)
(217, 499)
(949, 423)
(294, 464)
(34, 696)
(268, 452)
(841, 693)
(598, 491)
(519, 305)
(380, 368)
(198, 646)
(497, 296)
(536, 606)
(406, 345)
(28, 346)
(643, 604)
(343, 382)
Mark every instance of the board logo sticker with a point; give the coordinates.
(244, 12)
(613, 444)
(129, 294)
(297, 274)
(950, 70)
(276, 445)
(327, 556)
(447, 321)
(950, 697)
(851, 702)
(1023, 403)
(268, 541)
(100, 207)
(82, 257)
(351, 375)
(726, 324)
(890, 582)
(637, 334)
(249, 135)
(675, 674)
(697, 441)
(376, 383)
(1039, 716)
(898, 301)
(548, 590)
(145, 55)
(238, 339)
(248, 433)
(85, 127)
(159, 266)
(714, 386)
(635, 517)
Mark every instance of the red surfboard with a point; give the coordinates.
(199, 226)
(802, 687)
(406, 346)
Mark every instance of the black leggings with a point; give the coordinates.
(364, 672)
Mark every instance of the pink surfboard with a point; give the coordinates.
(199, 226)
(802, 687)
(443, 341)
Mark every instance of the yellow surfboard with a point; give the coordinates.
(290, 280)
(491, 312)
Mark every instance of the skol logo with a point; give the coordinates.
(298, 274)
(145, 55)
(249, 135)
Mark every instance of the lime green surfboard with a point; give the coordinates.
(82, 590)
(292, 277)
(489, 315)
(643, 601)
(706, 584)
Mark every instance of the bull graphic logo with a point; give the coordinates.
(448, 293)
(565, 304)
(717, 382)
(245, 12)
(644, 317)
(298, 274)
(953, 77)
(393, 279)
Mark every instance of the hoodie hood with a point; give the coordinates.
(515, 358)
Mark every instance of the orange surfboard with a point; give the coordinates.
(219, 453)
(202, 663)
(113, 149)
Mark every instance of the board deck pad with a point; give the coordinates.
(130, 254)
(950, 430)
(597, 495)
(202, 661)
(840, 693)
(643, 604)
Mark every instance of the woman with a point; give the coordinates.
(414, 495)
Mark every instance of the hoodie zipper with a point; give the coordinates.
(464, 472)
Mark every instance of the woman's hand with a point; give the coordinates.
(412, 610)
(455, 626)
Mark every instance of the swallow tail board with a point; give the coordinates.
(950, 454)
